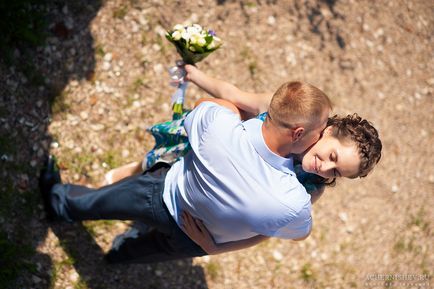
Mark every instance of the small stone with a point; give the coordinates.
(54, 145)
(108, 57)
(206, 259)
(271, 20)
(136, 103)
(33, 163)
(165, 107)
(39, 103)
(399, 107)
(431, 179)
(158, 68)
(423, 133)
(365, 27)
(106, 65)
(323, 256)
(74, 276)
(369, 43)
(158, 272)
(84, 115)
(394, 188)
(36, 279)
(156, 47)
(277, 256)
(125, 153)
(343, 216)
(97, 127)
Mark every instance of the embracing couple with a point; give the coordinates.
(240, 182)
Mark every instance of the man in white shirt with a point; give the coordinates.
(237, 178)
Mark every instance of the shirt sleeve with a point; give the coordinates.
(202, 117)
(298, 227)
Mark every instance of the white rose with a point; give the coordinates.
(194, 38)
(198, 27)
(192, 30)
(176, 35)
(192, 48)
(178, 27)
(186, 35)
(201, 41)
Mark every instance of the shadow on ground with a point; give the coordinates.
(46, 45)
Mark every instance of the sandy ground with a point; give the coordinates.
(105, 69)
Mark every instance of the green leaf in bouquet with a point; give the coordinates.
(208, 39)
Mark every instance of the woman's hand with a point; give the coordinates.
(190, 70)
(197, 231)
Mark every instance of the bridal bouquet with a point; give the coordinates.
(193, 44)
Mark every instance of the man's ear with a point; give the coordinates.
(328, 130)
(297, 133)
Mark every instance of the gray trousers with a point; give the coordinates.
(137, 198)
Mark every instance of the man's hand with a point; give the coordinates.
(197, 231)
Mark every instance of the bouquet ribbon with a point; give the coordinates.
(177, 74)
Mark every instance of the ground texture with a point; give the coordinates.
(88, 94)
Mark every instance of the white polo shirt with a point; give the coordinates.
(233, 182)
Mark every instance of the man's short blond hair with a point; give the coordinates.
(298, 103)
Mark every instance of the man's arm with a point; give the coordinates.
(253, 103)
(197, 231)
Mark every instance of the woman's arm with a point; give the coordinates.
(197, 231)
(253, 103)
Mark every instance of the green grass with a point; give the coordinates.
(213, 269)
(120, 12)
(23, 25)
(13, 260)
(7, 145)
(112, 158)
(7, 193)
(93, 226)
(59, 104)
(419, 220)
(307, 273)
(99, 50)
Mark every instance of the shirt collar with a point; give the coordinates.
(253, 128)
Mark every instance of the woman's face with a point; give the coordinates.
(331, 157)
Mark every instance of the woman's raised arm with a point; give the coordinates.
(253, 103)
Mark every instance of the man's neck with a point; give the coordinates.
(276, 140)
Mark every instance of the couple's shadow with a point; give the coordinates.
(36, 75)
(87, 257)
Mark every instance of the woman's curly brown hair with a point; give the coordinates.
(363, 133)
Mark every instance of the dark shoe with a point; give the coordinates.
(48, 178)
(124, 245)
